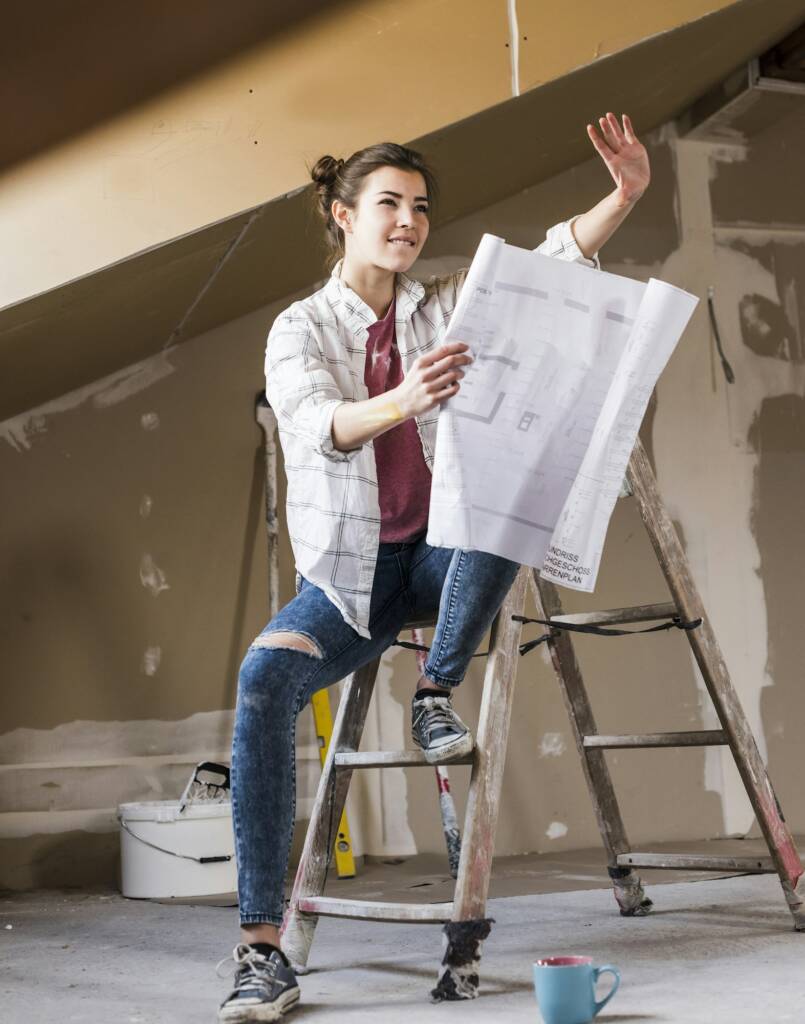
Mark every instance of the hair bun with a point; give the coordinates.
(325, 171)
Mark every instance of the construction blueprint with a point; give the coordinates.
(531, 452)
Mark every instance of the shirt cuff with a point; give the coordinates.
(573, 246)
(325, 445)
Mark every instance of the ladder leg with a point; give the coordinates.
(628, 887)
(707, 652)
(463, 936)
(298, 928)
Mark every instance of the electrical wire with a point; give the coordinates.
(714, 324)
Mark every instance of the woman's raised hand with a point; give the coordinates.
(624, 155)
(431, 379)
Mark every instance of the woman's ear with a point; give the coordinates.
(342, 215)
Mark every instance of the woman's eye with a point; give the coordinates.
(421, 208)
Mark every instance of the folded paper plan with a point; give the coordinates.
(531, 453)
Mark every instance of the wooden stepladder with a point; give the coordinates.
(466, 924)
(735, 730)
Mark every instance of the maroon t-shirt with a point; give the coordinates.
(403, 477)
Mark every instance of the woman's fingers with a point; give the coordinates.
(435, 370)
(446, 392)
(613, 135)
(609, 135)
(600, 145)
(454, 348)
(436, 375)
(445, 380)
(615, 128)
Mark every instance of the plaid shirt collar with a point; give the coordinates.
(357, 314)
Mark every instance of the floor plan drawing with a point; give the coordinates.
(531, 453)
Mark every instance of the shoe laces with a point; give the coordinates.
(437, 712)
(249, 961)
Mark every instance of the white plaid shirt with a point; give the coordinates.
(315, 358)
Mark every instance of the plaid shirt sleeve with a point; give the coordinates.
(561, 243)
(300, 388)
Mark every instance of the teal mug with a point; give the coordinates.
(565, 987)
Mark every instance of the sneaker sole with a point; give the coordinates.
(260, 1011)
(449, 751)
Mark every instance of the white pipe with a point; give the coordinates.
(514, 46)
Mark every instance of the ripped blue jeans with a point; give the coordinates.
(412, 581)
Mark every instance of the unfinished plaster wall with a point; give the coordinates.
(134, 578)
(759, 236)
(135, 569)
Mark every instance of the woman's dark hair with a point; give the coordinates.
(343, 179)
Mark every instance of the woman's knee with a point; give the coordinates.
(276, 667)
(287, 640)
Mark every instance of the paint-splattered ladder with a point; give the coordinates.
(735, 731)
(464, 917)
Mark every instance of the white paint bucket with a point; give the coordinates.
(165, 852)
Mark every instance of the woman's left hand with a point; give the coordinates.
(625, 157)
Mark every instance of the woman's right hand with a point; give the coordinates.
(432, 379)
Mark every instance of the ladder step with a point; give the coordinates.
(368, 910)
(620, 616)
(389, 759)
(684, 862)
(700, 738)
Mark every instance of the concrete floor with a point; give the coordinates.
(720, 950)
(424, 878)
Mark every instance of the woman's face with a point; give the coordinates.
(389, 224)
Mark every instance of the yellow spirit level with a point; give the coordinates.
(344, 861)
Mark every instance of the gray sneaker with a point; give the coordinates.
(438, 730)
(265, 987)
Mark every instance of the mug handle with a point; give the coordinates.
(606, 969)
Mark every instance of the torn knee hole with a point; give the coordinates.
(288, 641)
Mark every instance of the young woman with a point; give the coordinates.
(356, 374)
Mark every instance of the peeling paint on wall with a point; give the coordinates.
(21, 431)
(771, 321)
(151, 659)
(71, 779)
(778, 436)
(139, 377)
(706, 464)
(552, 745)
(152, 577)
(86, 741)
